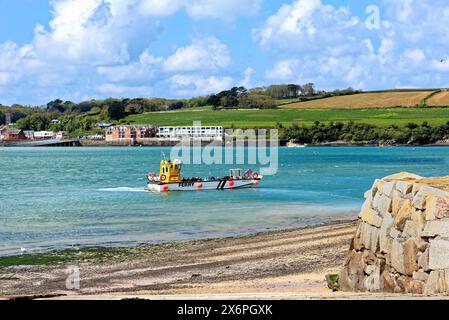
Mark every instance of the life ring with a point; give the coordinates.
(255, 175)
(163, 177)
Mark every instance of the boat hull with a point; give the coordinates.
(203, 185)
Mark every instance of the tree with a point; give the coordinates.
(57, 105)
(256, 100)
(176, 105)
(116, 110)
(38, 122)
(2, 118)
(309, 89)
(16, 115)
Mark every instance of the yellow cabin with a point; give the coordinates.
(170, 171)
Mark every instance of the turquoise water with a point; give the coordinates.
(59, 197)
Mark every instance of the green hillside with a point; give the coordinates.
(270, 117)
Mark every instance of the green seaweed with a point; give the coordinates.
(88, 254)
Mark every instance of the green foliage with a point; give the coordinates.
(254, 100)
(227, 98)
(35, 121)
(176, 105)
(2, 118)
(365, 133)
(116, 110)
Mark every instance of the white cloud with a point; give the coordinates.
(102, 47)
(219, 9)
(304, 25)
(142, 71)
(197, 85)
(201, 9)
(283, 70)
(414, 56)
(160, 7)
(248, 77)
(334, 49)
(202, 55)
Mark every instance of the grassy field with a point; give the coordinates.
(440, 99)
(269, 117)
(365, 100)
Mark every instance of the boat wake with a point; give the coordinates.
(122, 189)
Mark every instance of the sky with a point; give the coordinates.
(92, 49)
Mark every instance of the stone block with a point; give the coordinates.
(377, 186)
(439, 254)
(446, 280)
(370, 216)
(388, 189)
(410, 252)
(414, 287)
(437, 207)
(418, 217)
(415, 188)
(411, 229)
(387, 282)
(420, 276)
(384, 205)
(376, 199)
(423, 261)
(419, 200)
(394, 233)
(403, 215)
(435, 283)
(404, 187)
(369, 237)
(396, 205)
(372, 279)
(436, 228)
(384, 233)
(352, 275)
(397, 256)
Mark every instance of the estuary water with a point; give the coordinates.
(63, 197)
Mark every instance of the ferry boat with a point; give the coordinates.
(170, 179)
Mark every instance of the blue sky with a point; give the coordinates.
(83, 49)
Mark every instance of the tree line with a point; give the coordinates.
(351, 132)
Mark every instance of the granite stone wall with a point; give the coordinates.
(402, 239)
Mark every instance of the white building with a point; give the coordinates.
(191, 132)
(29, 134)
(44, 135)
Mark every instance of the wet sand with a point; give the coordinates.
(278, 264)
(286, 264)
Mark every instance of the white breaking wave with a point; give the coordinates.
(122, 189)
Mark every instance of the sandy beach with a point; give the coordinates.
(285, 264)
(270, 262)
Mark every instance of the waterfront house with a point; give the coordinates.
(43, 135)
(129, 132)
(61, 135)
(29, 134)
(13, 134)
(55, 121)
(213, 132)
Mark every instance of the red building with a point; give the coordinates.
(118, 133)
(13, 134)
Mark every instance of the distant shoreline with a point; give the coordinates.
(168, 144)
